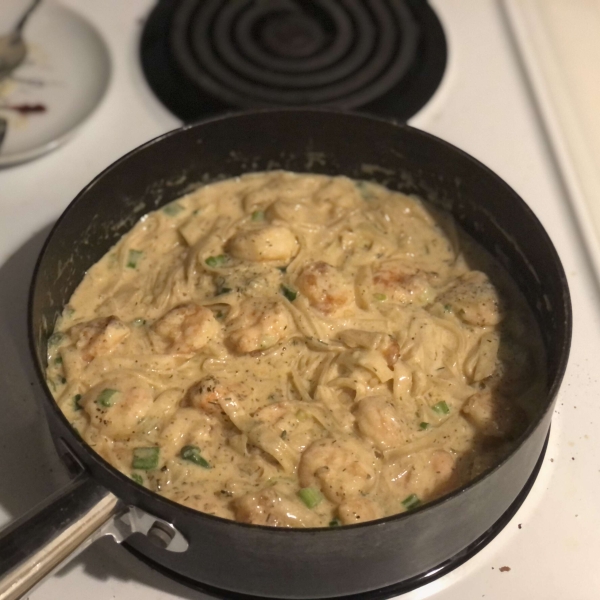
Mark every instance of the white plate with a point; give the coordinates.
(67, 71)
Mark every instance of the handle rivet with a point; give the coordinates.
(161, 534)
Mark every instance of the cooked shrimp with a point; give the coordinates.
(206, 393)
(272, 507)
(187, 328)
(342, 468)
(188, 426)
(98, 336)
(427, 474)
(259, 325)
(214, 397)
(325, 287)
(494, 415)
(378, 420)
(474, 300)
(315, 203)
(290, 423)
(359, 510)
(404, 284)
(115, 406)
(282, 187)
(267, 244)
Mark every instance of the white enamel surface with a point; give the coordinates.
(483, 107)
(560, 45)
(67, 70)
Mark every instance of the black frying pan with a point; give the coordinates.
(264, 561)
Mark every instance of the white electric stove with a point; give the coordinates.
(493, 103)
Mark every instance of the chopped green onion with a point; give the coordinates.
(284, 435)
(335, 523)
(145, 458)
(380, 297)
(447, 307)
(76, 399)
(137, 478)
(216, 261)
(301, 415)
(55, 339)
(258, 215)
(223, 290)
(62, 380)
(134, 258)
(139, 322)
(289, 293)
(192, 453)
(58, 360)
(363, 188)
(106, 397)
(283, 269)
(310, 496)
(411, 502)
(441, 408)
(424, 425)
(172, 209)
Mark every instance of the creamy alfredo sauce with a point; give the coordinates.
(297, 350)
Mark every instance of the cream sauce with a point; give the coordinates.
(297, 351)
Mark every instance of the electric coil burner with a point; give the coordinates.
(381, 56)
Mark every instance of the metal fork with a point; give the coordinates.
(12, 46)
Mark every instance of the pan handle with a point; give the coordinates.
(39, 542)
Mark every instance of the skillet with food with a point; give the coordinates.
(252, 558)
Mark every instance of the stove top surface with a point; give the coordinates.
(384, 57)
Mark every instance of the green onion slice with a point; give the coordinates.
(137, 478)
(216, 261)
(192, 453)
(106, 397)
(289, 293)
(310, 496)
(441, 408)
(380, 297)
(411, 502)
(76, 399)
(363, 188)
(145, 458)
(424, 425)
(55, 338)
(258, 215)
(172, 209)
(134, 258)
(335, 523)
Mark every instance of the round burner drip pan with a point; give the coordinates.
(202, 57)
(389, 591)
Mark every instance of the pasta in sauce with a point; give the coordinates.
(299, 351)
